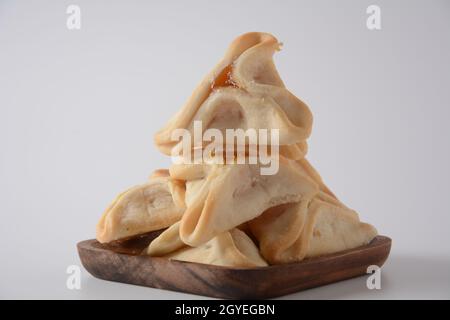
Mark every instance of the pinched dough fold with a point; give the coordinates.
(230, 249)
(295, 231)
(151, 206)
(232, 194)
(244, 90)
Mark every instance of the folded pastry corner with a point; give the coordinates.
(336, 229)
(151, 206)
(236, 193)
(244, 90)
(306, 229)
(229, 249)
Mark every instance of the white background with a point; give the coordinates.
(78, 110)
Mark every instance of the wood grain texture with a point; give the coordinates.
(121, 262)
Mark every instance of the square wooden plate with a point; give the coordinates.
(122, 262)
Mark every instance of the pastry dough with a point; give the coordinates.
(244, 91)
(151, 206)
(229, 249)
(305, 229)
(235, 193)
(336, 229)
(233, 108)
(167, 242)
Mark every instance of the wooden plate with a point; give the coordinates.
(121, 262)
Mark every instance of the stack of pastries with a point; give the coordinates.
(229, 214)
